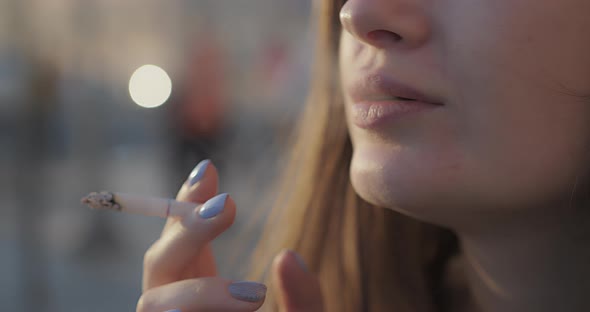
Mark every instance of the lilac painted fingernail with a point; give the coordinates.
(213, 206)
(176, 310)
(247, 291)
(198, 173)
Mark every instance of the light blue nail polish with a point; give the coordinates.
(199, 171)
(213, 206)
(247, 291)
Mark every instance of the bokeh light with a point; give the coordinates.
(150, 86)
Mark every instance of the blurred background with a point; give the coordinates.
(129, 96)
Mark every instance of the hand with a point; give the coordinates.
(179, 268)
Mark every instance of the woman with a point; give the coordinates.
(474, 202)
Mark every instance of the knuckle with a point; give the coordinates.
(146, 303)
(150, 259)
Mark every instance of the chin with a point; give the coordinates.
(376, 188)
(402, 181)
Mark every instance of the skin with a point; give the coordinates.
(499, 162)
(180, 271)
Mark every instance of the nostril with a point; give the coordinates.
(383, 35)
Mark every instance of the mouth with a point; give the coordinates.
(378, 100)
(379, 87)
(403, 98)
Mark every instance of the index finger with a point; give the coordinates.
(200, 186)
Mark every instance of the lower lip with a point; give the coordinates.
(373, 114)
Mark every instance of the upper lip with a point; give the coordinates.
(379, 87)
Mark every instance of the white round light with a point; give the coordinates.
(150, 86)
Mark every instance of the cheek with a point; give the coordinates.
(534, 148)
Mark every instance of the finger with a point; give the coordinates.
(297, 289)
(200, 186)
(201, 183)
(204, 294)
(169, 257)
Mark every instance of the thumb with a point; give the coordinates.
(296, 288)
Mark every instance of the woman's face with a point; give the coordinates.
(510, 135)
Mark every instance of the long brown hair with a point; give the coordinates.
(367, 258)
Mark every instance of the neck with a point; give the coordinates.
(539, 262)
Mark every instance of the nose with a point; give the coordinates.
(386, 23)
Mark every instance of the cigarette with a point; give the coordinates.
(147, 206)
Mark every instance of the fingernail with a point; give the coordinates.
(176, 310)
(247, 291)
(300, 261)
(213, 206)
(198, 172)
